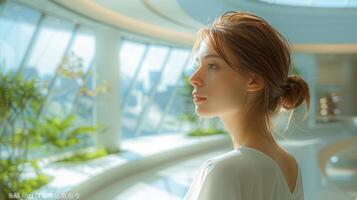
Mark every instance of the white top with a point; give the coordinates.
(243, 174)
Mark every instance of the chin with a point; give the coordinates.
(205, 113)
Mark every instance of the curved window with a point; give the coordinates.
(150, 76)
(71, 76)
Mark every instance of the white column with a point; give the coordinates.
(108, 103)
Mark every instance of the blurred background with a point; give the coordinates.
(95, 101)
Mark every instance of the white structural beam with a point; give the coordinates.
(108, 103)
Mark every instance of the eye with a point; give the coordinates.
(212, 66)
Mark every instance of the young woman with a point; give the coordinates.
(242, 77)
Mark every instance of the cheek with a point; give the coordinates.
(229, 94)
(224, 95)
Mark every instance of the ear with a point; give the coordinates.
(255, 83)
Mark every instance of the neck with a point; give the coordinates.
(245, 132)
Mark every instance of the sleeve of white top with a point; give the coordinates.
(217, 184)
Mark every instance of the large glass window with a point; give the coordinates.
(48, 51)
(150, 76)
(140, 94)
(130, 58)
(83, 79)
(17, 27)
(71, 75)
(181, 105)
(60, 59)
(165, 94)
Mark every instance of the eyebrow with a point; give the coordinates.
(209, 56)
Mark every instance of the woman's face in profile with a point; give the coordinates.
(224, 89)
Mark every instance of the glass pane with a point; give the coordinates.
(48, 50)
(182, 105)
(130, 56)
(84, 48)
(17, 25)
(84, 104)
(71, 75)
(148, 76)
(172, 74)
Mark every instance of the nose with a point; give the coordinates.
(195, 80)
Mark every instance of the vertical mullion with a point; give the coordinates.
(152, 94)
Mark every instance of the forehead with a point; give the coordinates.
(204, 50)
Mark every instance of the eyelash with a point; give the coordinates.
(210, 65)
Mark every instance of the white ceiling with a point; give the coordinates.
(177, 21)
(158, 12)
(157, 18)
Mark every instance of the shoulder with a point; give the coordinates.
(231, 176)
(232, 164)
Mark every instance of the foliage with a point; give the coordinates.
(58, 133)
(203, 132)
(23, 130)
(80, 157)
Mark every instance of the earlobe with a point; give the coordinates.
(255, 83)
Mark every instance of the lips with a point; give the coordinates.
(199, 100)
(197, 96)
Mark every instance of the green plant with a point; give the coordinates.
(80, 157)
(205, 132)
(19, 98)
(59, 133)
(23, 131)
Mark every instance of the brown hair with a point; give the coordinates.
(259, 49)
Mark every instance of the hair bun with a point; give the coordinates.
(296, 90)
